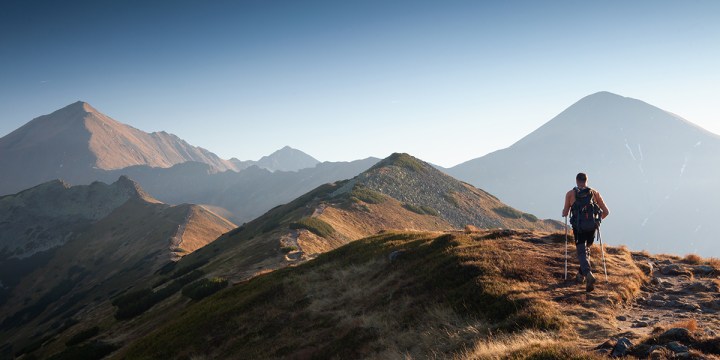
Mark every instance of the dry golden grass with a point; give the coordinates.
(690, 324)
(692, 259)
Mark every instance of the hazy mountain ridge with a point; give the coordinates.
(73, 142)
(653, 168)
(285, 159)
(105, 242)
(32, 220)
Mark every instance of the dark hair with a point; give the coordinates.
(581, 177)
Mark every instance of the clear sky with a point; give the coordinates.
(446, 81)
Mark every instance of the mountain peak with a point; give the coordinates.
(402, 160)
(287, 159)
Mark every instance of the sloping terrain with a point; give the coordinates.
(482, 294)
(103, 251)
(75, 141)
(324, 219)
(648, 164)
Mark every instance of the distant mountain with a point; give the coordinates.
(285, 159)
(245, 195)
(655, 170)
(44, 216)
(73, 142)
(66, 250)
(398, 193)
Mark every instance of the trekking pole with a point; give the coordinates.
(566, 247)
(602, 250)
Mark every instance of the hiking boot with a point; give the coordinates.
(579, 278)
(590, 285)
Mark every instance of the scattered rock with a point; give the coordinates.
(674, 270)
(655, 281)
(699, 286)
(657, 297)
(703, 270)
(656, 303)
(640, 324)
(676, 334)
(610, 344)
(397, 254)
(677, 347)
(621, 318)
(622, 347)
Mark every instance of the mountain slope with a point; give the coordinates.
(653, 168)
(104, 242)
(73, 141)
(246, 194)
(400, 192)
(487, 294)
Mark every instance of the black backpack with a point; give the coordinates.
(585, 213)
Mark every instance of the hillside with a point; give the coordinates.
(398, 193)
(75, 141)
(246, 194)
(485, 294)
(647, 163)
(97, 245)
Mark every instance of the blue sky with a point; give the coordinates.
(446, 81)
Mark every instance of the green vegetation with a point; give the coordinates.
(314, 225)
(422, 210)
(438, 297)
(401, 160)
(361, 193)
(82, 336)
(31, 312)
(204, 288)
(288, 249)
(530, 217)
(94, 350)
(450, 197)
(508, 212)
(137, 302)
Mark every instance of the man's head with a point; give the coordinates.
(581, 179)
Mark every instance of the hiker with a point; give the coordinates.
(587, 209)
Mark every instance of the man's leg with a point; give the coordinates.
(582, 252)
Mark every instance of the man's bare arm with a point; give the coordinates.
(601, 202)
(568, 203)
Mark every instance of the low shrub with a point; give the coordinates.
(94, 350)
(204, 288)
(314, 225)
(422, 210)
(361, 193)
(508, 212)
(82, 336)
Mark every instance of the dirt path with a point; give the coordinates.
(676, 293)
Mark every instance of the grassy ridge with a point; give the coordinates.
(440, 294)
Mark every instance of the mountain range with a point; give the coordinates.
(371, 258)
(65, 249)
(81, 145)
(654, 169)
(131, 260)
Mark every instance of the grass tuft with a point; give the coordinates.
(314, 225)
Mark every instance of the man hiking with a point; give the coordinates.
(587, 209)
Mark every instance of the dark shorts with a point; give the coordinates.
(587, 237)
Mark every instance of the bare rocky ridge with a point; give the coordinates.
(47, 215)
(75, 141)
(89, 243)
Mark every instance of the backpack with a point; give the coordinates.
(585, 213)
